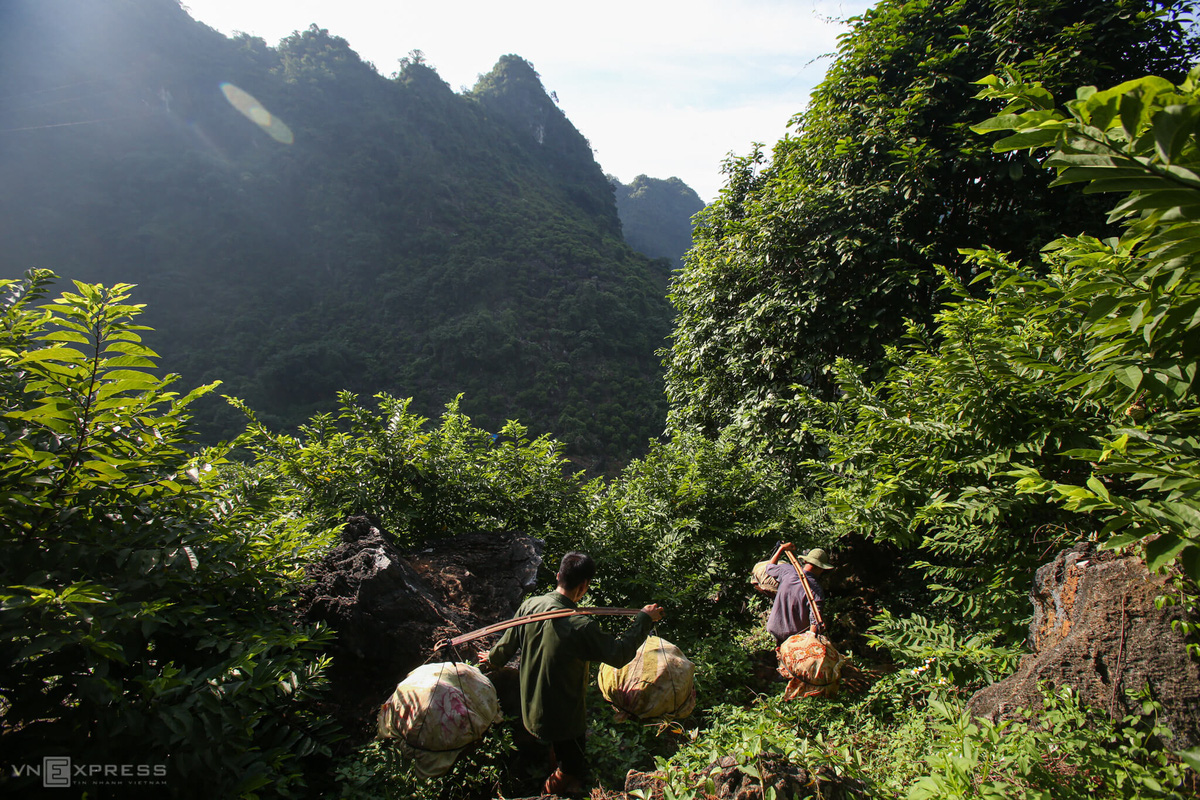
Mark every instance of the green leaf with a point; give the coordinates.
(129, 375)
(1186, 513)
(1189, 559)
(1131, 376)
(72, 336)
(1026, 140)
(1132, 109)
(1172, 128)
(1162, 551)
(130, 348)
(1190, 757)
(129, 361)
(140, 385)
(67, 355)
(1121, 540)
(1097, 486)
(102, 468)
(1156, 188)
(1000, 122)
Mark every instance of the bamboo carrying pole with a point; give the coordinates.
(812, 601)
(529, 618)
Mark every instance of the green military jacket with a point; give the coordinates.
(555, 660)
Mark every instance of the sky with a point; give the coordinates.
(663, 88)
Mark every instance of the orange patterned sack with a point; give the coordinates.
(812, 664)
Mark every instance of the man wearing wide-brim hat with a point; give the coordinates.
(790, 613)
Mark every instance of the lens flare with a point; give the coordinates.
(254, 111)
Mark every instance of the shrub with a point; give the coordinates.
(1060, 752)
(143, 602)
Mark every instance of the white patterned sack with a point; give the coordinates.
(760, 580)
(436, 711)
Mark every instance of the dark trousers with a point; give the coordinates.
(538, 757)
(571, 756)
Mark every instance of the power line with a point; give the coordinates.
(67, 86)
(84, 122)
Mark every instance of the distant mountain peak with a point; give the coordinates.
(656, 215)
(514, 89)
(513, 93)
(409, 239)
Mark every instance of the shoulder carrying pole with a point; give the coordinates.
(540, 617)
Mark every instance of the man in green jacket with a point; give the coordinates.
(555, 662)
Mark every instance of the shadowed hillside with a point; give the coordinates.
(368, 233)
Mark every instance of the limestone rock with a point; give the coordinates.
(1096, 629)
(388, 607)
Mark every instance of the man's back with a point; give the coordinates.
(790, 613)
(555, 660)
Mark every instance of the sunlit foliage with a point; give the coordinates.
(143, 602)
(827, 247)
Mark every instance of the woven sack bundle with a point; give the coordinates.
(760, 580)
(436, 711)
(656, 686)
(812, 665)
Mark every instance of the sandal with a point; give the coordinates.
(563, 785)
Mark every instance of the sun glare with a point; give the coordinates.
(254, 111)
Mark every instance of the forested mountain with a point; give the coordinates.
(368, 234)
(656, 216)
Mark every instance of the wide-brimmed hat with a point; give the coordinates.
(818, 558)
